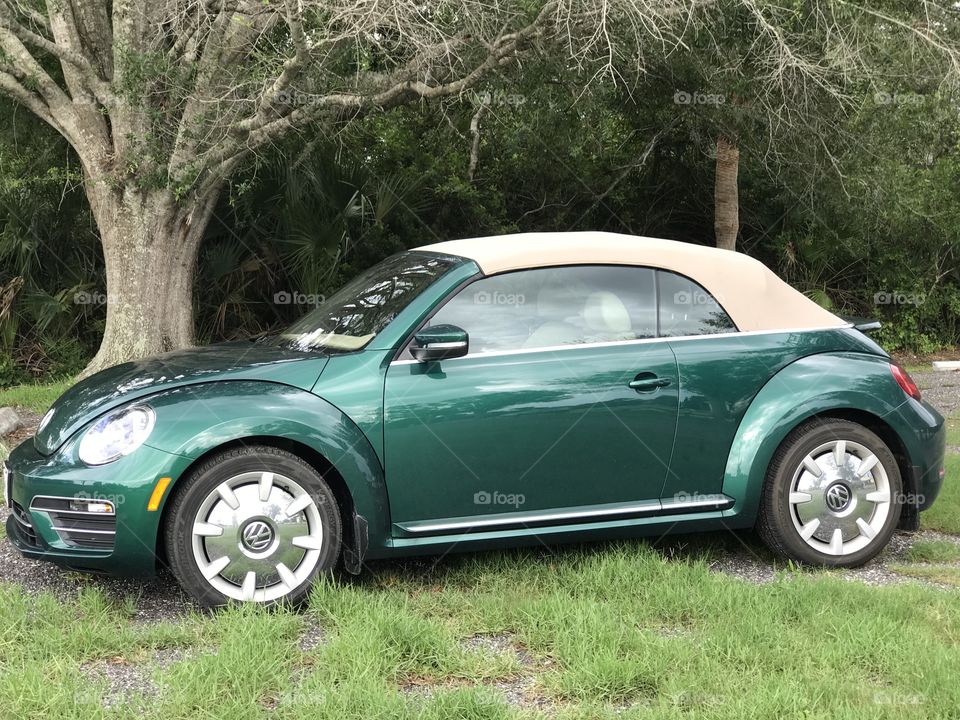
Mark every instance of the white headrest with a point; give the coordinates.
(606, 312)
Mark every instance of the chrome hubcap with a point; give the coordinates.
(840, 498)
(257, 536)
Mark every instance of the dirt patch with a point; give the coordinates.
(129, 681)
(518, 691)
(913, 359)
(30, 421)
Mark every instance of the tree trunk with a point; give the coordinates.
(150, 243)
(726, 201)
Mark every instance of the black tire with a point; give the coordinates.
(778, 520)
(202, 482)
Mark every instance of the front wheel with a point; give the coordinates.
(832, 495)
(252, 524)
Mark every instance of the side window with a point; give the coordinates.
(687, 309)
(555, 306)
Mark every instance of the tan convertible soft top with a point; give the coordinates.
(755, 298)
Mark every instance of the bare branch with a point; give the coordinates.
(38, 19)
(14, 89)
(248, 135)
(475, 133)
(63, 53)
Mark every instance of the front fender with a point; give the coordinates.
(814, 385)
(193, 420)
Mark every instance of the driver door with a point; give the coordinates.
(565, 406)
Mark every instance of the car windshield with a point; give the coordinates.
(350, 318)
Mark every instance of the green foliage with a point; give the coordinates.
(855, 206)
(49, 252)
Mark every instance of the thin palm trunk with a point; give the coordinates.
(726, 201)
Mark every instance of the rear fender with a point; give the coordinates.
(814, 385)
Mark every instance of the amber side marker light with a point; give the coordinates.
(905, 382)
(157, 495)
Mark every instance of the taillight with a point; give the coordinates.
(905, 382)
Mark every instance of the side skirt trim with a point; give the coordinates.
(601, 513)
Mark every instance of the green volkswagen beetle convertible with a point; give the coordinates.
(487, 393)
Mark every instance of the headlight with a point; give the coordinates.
(116, 435)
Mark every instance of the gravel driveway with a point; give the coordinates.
(742, 555)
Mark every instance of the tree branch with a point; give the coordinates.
(475, 132)
(12, 87)
(259, 130)
(65, 54)
(34, 16)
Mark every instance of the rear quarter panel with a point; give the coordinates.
(821, 384)
(720, 377)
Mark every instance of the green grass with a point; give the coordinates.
(37, 397)
(944, 515)
(944, 575)
(933, 551)
(603, 630)
(953, 430)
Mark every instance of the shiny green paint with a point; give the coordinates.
(824, 384)
(354, 382)
(440, 334)
(527, 426)
(120, 384)
(719, 377)
(562, 428)
(127, 483)
(195, 420)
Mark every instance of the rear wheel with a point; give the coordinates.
(252, 524)
(832, 495)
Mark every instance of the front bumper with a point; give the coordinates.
(42, 526)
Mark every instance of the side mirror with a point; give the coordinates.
(440, 342)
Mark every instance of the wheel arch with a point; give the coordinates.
(846, 386)
(219, 416)
(317, 460)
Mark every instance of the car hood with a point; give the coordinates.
(120, 384)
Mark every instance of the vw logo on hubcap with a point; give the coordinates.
(838, 497)
(257, 536)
